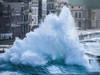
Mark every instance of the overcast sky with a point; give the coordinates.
(63, 0)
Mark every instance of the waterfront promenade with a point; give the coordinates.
(90, 36)
(88, 31)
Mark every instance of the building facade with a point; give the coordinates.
(92, 18)
(51, 6)
(5, 21)
(14, 19)
(20, 24)
(80, 14)
(17, 1)
(1, 17)
(5, 18)
(93, 8)
(35, 13)
(44, 9)
(98, 18)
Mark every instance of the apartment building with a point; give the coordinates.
(35, 13)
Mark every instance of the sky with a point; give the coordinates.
(60, 0)
(63, 0)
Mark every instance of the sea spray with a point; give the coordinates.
(55, 38)
(95, 66)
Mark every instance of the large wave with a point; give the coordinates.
(55, 38)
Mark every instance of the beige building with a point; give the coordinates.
(94, 18)
(98, 18)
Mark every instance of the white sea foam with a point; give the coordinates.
(54, 70)
(10, 73)
(95, 66)
(56, 37)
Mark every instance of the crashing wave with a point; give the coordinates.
(55, 38)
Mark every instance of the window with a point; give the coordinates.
(27, 17)
(76, 15)
(35, 12)
(93, 15)
(32, 21)
(79, 15)
(24, 29)
(22, 8)
(30, 11)
(7, 24)
(0, 26)
(72, 6)
(79, 24)
(24, 18)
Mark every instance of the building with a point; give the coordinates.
(92, 18)
(93, 8)
(44, 9)
(5, 18)
(59, 6)
(15, 15)
(26, 1)
(80, 14)
(98, 18)
(20, 23)
(48, 6)
(51, 6)
(15, 12)
(1, 17)
(5, 21)
(35, 13)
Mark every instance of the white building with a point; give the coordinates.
(33, 14)
(44, 9)
(51, 8)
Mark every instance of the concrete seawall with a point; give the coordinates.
(91, 36)
(87, 34)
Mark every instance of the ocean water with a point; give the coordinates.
(53, 48)
(48, 69)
